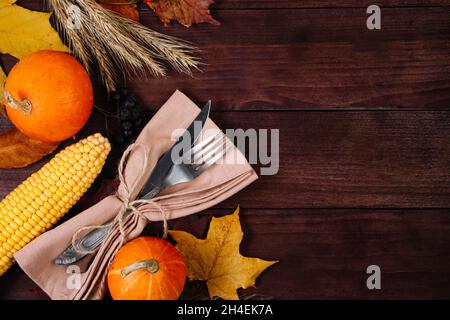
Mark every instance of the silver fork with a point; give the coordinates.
(195, 161)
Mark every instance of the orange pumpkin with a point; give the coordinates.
(147, 268)
(48, 96)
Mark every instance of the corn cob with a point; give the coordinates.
(42, 199)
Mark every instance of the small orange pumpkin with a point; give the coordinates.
(147, 268)
(48, 96)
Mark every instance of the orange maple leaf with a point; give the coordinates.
(128, 10)
(185, 12)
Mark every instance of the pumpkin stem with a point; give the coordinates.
(24, 105)
(151, 266)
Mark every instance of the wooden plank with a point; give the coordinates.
(327, 76)
(314, 76)
(351, 159)
(324, 254)
(296, 4)
(284, 4)
(325, 59)
(336, 159)
(303, 26)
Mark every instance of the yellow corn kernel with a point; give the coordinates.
(35, 205)
(34, 233)
(71, 183)
(57, 207)
(19, 233)
(40, 186)
(23, 231)
(39, 201)
(44, 198)
(54, 177)
(82, 163)
(43, 224)
(6, 246)
(18, 221)
(38, 216)
(9, 229)
(80, 174)
(15, 238)
(27, 225)
(6, 218)
(49, 192)
(46, 184)
(20, 192)
(47, 205)
(51, 202)
(28, 199)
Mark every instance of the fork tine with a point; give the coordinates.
(202, 153)
(208, 152)
(212, 161)
(200, 145)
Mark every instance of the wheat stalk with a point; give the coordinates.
(110, 43)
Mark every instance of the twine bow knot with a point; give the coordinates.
(128, 207)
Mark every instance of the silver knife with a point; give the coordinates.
(151, 188)
(166, 162)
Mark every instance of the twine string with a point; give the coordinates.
(128, 207)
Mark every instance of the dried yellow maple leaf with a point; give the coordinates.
(217, 260)
(4, 3)
(23, 31)
(185, 12)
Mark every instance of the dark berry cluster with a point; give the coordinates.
(129, 113)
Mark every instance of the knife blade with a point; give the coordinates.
(166, 162)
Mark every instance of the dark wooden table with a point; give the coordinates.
(364, 119)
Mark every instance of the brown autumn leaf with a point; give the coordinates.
(18, 151)
(128, 10)
(185, 12)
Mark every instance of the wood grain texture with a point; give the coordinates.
(324, 253)
(285, 4)
(303, 26)
(336, 159)
(364, 142)
(315, 59)
(352, 159)
(297, 4)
